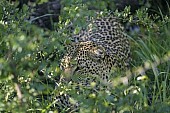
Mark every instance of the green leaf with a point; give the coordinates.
(1, 12)
(2, 29)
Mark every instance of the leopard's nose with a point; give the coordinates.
(69, 72)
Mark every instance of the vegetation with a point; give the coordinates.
(30, 62)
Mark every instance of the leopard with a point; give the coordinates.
(93, 52)
(99, 48)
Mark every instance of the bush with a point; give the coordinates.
(30, 62)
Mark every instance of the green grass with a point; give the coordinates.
(24, 49)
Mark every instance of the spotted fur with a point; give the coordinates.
(95, 51)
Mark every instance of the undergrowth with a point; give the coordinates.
(30, 63)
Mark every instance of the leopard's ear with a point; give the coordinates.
(97, 53)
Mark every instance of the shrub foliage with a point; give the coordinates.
(30, 61)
